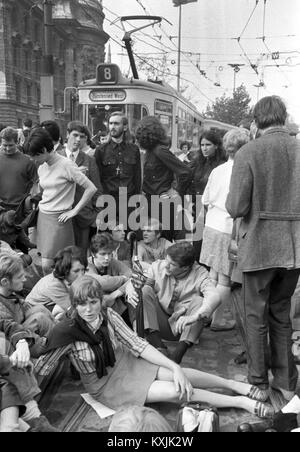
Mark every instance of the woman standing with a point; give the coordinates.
(210, 156)
(58, 177)
(160, 168)
(218, 225)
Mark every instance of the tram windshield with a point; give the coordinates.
(98, 115)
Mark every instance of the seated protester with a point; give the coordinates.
(101, 262)
(18, 386)
(13, 308)
(153, 247)
(52, 290)
(136, 418)
(12, 233)
(122, 251)
(119, 368)
(176, 286)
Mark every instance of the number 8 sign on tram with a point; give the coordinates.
(107, 74)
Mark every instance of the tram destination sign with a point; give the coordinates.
(107, 95)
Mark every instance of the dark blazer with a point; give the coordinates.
(88, 214)
(265, 192)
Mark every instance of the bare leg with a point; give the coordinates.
(163, 390)
(204, 380)
(223, 288)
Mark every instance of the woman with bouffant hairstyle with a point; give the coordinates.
(58, 177)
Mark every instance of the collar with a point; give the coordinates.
(68, 153)
(276, 129)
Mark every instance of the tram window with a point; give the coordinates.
(98, 116)
(144, 112)
(134, 114)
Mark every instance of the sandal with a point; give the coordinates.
(258, 394)
(264, 411)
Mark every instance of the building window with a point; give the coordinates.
(36, 31)
(28, 94)
(18, 90)
(26, 23)
(26, 60)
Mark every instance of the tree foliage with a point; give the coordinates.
(232, 110)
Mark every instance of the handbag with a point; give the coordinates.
(194, 417)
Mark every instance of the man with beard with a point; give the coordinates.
(119, 161)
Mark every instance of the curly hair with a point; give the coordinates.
(150, 132)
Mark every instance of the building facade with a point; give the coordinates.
(78, 43)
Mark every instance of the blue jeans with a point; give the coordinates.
(267, 304)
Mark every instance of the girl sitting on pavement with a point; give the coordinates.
(105, 352)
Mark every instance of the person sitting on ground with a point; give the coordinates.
(52, 290)
(101, 262)
(18, 386)
(119, 368)
(13, 308)
(153, 247)
(122, 251)
(176, 287)
(136, 418)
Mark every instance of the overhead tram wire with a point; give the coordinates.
(253, 66)
(264, 43)
(182, 53)
(146, 62)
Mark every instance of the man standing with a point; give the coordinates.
(119, 161)
(82, 223)
(265, 192)
(17, 172)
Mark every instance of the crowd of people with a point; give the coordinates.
(121, 273)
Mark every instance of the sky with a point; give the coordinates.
(215, 35)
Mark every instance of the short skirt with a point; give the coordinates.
(127, 383)
(53, 236)
(214, 251)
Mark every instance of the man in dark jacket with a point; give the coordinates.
(86, 218)
(265, 192)
(119, 161)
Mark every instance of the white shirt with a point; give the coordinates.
(215, 195)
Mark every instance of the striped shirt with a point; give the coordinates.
(81, 354)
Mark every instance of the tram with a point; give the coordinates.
(110, 91)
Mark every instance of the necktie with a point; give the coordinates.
(72, 156)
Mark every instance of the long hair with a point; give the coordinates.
(214, 138)
(150, 132)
